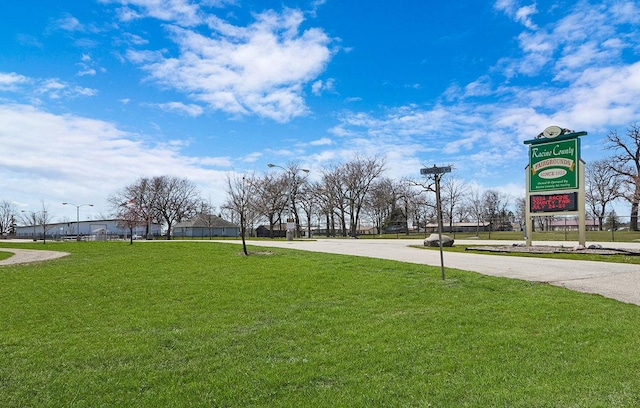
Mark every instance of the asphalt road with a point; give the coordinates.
(613, 280)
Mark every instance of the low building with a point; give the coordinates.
(460, 227)
(87, 230)
(205, 226)
(571, 224)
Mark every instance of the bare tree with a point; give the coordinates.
(7, 217)
(129, 218)
(474, 205)
(239, 201)
(358, 175)
(308, 199)
(603, 185)
(389, 202)
(177, 199)
(40, 218)
(423, 210)
(428, 210)
(626, 163)
(495, 205)
(453, 193)
(135, 205)
(168, 199)
(206, 212)
(327, 199)
(271, 198)
(334, 198)
(127, 210)
(297, 180)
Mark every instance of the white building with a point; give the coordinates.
(91, 230)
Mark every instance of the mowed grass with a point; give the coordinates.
(197, 324)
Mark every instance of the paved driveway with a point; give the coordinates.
(613, 280)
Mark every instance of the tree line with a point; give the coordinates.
(357, 193)
(348, 196)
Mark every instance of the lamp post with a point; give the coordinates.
(78, 217)
(290, 176)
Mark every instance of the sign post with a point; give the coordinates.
(555, 179)
(437, 173)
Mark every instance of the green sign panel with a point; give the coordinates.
(554, 165)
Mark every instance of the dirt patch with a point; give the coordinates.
(548, 249)
(256, 253)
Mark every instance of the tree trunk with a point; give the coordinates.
(633, 226)
(242, 234)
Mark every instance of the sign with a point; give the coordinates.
(554, 202)
(554, 165)
(435, 170)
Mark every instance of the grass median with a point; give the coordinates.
(198, 324)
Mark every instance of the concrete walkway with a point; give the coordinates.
(613, 280)
(21, 256)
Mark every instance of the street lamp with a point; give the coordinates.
(290, 220)
(78, 217)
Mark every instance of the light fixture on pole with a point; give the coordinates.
(290, 179)
(78, 217)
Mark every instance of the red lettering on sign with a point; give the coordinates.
(553, 202)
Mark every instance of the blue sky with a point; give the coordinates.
(97, 93)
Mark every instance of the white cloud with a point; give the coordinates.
(87, 71)
(68, 157)
(252, 157)
(325, 141)
(521, 14)
(318, 87)
(69, 23)
(565, 47)
(259, 69)
(184, 12)
(10, 81)
(190, 110)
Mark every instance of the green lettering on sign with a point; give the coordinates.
(554, 165)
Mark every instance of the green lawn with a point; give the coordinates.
(477, 249)
(591, 236)
(196, 324)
